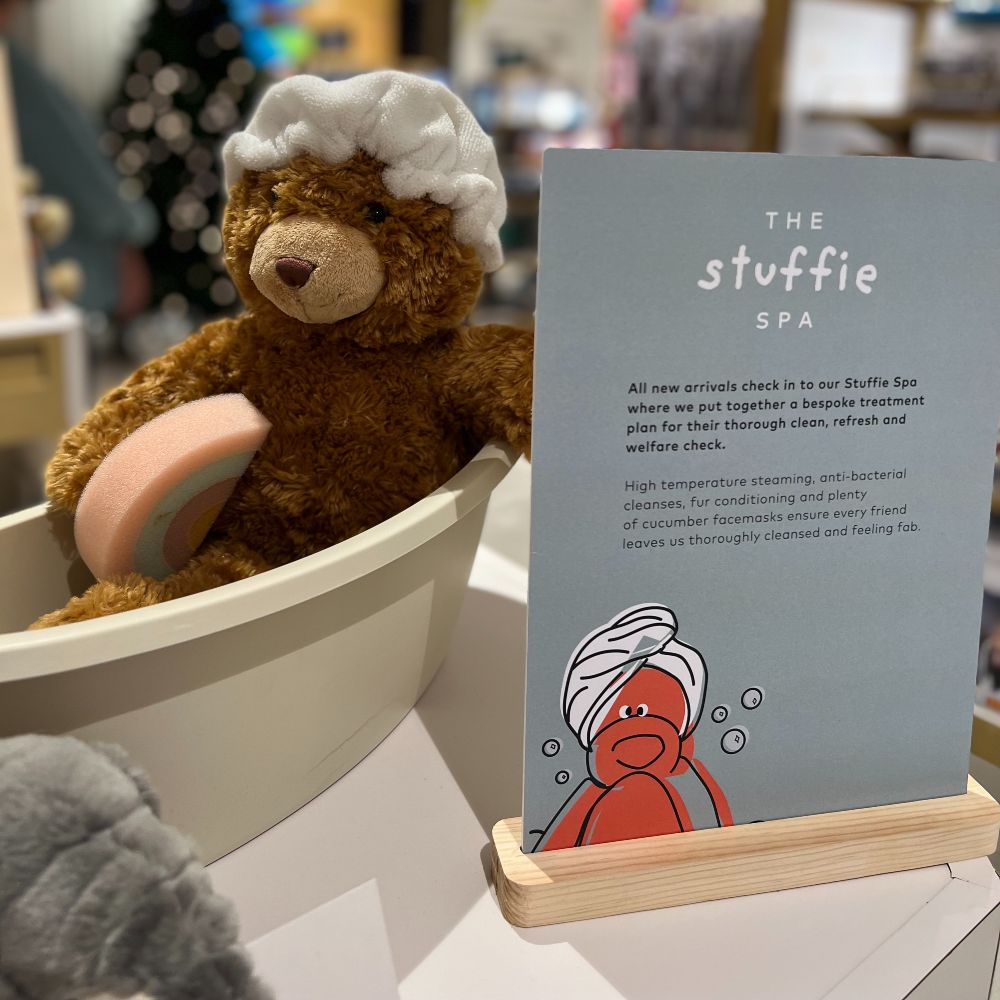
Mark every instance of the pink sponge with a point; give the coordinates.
(150, 503)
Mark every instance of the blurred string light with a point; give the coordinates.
(188, 85)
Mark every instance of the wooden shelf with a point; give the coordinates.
(902, 122)
(904, 3)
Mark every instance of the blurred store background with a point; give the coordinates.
(112, 113)
(121, 106)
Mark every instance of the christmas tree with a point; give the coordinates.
(188, 85)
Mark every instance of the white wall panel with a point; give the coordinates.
(83, 43)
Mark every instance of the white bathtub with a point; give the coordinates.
(246, 701)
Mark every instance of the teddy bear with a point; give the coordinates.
(361, 218)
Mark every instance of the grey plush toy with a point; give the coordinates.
(98, 897)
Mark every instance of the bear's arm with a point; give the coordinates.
(195, 368)
(487, 380)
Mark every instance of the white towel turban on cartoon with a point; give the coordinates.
(428, 139)
(611, 654)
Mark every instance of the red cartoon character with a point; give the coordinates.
(633, 695)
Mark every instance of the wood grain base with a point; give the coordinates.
(604, 879)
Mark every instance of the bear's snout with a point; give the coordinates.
(316, 269)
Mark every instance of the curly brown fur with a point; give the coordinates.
(368, 414)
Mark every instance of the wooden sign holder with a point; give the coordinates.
(606, 879)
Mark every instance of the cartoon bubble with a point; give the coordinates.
(551, 747)
(752, 697)
(734, 740)
(563, 776)
(720, 713)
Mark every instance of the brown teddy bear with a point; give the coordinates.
(361, 218)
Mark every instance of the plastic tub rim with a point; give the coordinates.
(25, 655)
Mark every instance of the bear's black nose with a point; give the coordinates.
(294, 271)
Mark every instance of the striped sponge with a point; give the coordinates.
(150, 503)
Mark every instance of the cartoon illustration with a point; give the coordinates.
(633, 695)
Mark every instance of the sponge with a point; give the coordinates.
(150, 503)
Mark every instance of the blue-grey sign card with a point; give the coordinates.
(765, 414)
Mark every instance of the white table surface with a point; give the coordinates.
(406, 833)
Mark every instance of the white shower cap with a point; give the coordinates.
(610, 655)
(427, 138)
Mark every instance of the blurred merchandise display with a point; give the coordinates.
(959, 64)
(559, 44)
(534, 75)
(352, 37)
(596, 73)
(336, 38)
(188, 84)
(977, 10)
(60, 144)
(957, 79)
(42, 358)
(695, 81)
(921, 77)
(988, 676)
(274, 38)
(995, 496)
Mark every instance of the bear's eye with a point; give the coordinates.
(375, 212)
(624, 712)
(272, 195)
(642, 710)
